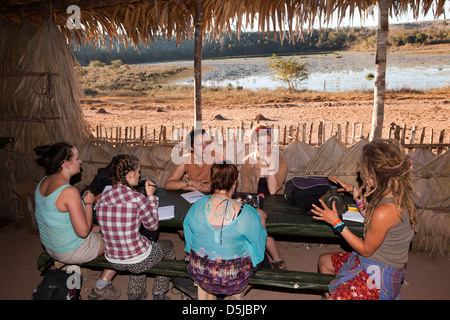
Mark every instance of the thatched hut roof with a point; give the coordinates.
(144, 20)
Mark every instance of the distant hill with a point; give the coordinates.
(253, 44)
(421, 25)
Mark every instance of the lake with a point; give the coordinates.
(346, 80)
(331, 72)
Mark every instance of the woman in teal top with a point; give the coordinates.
(225, 239)
(64, 219)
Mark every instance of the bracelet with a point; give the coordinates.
(92, 204)
(360, 204)
(337, 222)
(338, 225)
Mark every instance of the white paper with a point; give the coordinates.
(192, 196)
(353, 216)
(166, 212)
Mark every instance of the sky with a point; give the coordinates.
(372, 20)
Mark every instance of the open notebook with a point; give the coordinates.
(192, 196)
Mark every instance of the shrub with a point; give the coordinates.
(289, 70)
(96, 64)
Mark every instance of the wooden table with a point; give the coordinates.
(283, 218)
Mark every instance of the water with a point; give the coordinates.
(419, 78)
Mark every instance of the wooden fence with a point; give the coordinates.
(312, 134)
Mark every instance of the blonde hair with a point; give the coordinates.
(385, 161)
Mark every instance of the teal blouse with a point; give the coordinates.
(244, 236)
(55, 228)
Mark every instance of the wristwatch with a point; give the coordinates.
(340, 228)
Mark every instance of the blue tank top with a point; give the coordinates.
(55, 228)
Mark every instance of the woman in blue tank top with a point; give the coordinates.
(64, 219)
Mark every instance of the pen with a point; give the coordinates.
(153, 185)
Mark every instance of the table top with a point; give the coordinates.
(282, 217)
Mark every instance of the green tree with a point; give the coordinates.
(289, 70)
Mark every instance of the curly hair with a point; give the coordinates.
(385, 161)
(52, 157)
(119, 167)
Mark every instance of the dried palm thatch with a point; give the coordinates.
(433, 231)
(436, 174)
(154, 160)
(346, 168)
(44, 107)
(325, 157)
(298, 154)
(93, 158)
(143, 20)
(422, 155)
(432, 183)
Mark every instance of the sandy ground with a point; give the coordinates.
(140, 111)
(427, 276)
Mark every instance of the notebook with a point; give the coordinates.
(192, 196)
(166, 213)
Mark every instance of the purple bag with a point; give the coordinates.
(303, 192)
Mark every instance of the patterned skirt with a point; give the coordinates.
(221, 276)
(353, 281)
(355, 288)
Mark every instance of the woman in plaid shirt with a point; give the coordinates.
(120, 213)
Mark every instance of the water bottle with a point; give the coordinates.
(334, 197)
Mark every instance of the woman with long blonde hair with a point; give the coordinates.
(376, 267)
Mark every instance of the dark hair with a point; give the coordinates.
(119, 167)
(189, 143)
(52, 157)
(223, 176)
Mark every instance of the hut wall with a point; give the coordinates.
(39, 103)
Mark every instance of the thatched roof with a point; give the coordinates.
(146, 20)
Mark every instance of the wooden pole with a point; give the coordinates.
(198, 37)
(380, 70)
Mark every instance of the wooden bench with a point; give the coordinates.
(296, 280)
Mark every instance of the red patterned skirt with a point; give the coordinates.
(356, 288)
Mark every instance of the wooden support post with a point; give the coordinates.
(198, 39)
(347, 124)
(203, 295)
(441, 140)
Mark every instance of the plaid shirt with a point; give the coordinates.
(120, 212)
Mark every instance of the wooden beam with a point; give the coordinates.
(380, 70)
(198, 37)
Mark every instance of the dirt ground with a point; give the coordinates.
(427, 276)
(110, 112)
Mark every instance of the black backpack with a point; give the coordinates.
(303, 192)
(57, 285)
